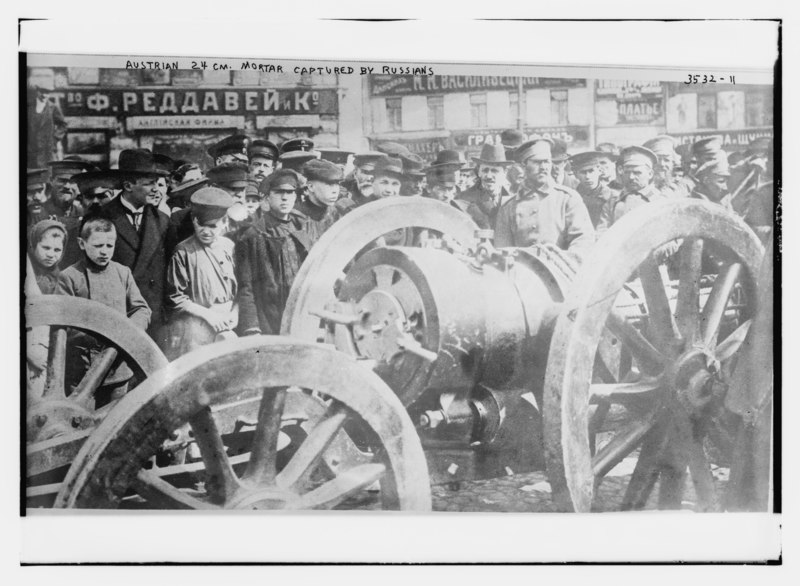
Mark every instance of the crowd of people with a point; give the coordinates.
(193, 255)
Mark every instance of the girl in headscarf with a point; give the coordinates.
(46, 247)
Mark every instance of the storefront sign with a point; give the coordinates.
(638, 102)
(426, 148)
(192, 102)
(184, 122)
(399, 85)
(572, 135)
(730, 138)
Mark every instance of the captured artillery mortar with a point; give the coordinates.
(516, 357)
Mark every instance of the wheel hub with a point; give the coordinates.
(691, 378)
(57, 417)
(378, 332)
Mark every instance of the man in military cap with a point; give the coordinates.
(339, 157)
(712, 181)
(595, 193)
(359, 182)
(295, 159)
(144, 235)
(414, 183)
(262, 156)
(65, 191)
(490, 192)
(269, 253)
(663, 146)
(230, 148)
(232, 177)
(442, 186)
(608, 164)
(706, 149)
(560, 159)
(543, 211)
(638, 164)
(297, 144)
(322, 193)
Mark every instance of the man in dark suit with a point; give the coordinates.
(143, 232)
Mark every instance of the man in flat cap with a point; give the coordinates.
(543, 211)
(490, 191)
(64, 188)
(321, 194)
(262, 156)
(359, 182)
(269, 253)
(595, 193)
(638, 172)
(666, 181)
(442, 186)
(144, 235)
(230, 148)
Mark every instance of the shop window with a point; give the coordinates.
(758, 109)
(559, 112)
(477, 106)
(513, 109)
(394, 113)
(436, 112)
(707, 111)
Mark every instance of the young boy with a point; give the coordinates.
(99, 278)
(46, 245)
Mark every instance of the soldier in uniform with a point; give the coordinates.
(229, 149)
(638, 172)
(490, 192)
(144, 234)
(359, 182)
(595, 193)
(665, 178)
(706, 149)
(712, 181)
(322, 193)
(262, 156)
(543, 211)
(269, 253)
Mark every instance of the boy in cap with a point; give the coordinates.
(145, 235)
(252, 197)
(490, 192)
(321, 194)
(595, 193)
(96, 189)
(663, 146)
(201, 283)
(543, 211)
(229, 149)
(638, 165)
(262, 156)
(268, 255)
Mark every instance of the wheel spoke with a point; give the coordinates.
(645, 473)
(672, 468)
(687, 311)
(56, 362)
(298, 470)
(617, 392)
(622, 444)
(160, 494)
(661, 324)
(700, 469)
(596, 420)
(717, 300)
(97, 372)
(221, 481)
(732, 343)
(648, 358)
(261, 468)
(345, 484)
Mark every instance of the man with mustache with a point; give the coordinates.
(666, 180)
(359, 182)
(490, 192)
(543, 211)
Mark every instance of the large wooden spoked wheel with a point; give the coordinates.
(669, 414)
(110, 463)
(59, 419)
(314, 286)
